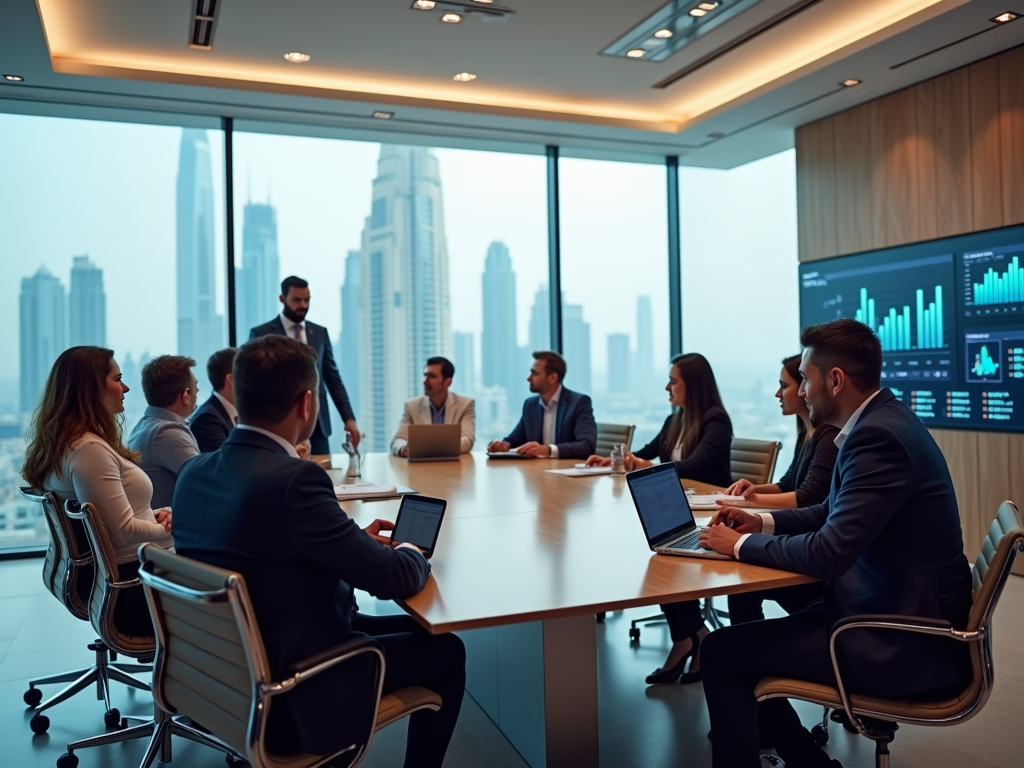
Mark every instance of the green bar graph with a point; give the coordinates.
(1006, 287)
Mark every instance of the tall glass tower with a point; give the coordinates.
(347, 353)
(43, 333)
(404, 284)
(87, 321)
(200, 328)
(499, 347)
(260, 277)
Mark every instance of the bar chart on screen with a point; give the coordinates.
(993, 281)
(895, 329)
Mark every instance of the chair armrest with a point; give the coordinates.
(326, 659)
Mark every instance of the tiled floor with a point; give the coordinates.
(643, 726)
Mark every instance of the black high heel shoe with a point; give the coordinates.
(661, 676)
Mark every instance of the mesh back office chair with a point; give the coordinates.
(610, 434)
(211, 665)
(753, 460)
(876, 716)
(68, 575)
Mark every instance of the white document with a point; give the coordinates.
(707, 501)
(363, 491)
(581, 471)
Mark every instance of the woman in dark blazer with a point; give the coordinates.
(696, 438)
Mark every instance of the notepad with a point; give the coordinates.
(707, 501)
(581, 471)
(349, 491)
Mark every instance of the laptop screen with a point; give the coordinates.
(661, 501)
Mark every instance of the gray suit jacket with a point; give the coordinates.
(457, 410)
(164, 442)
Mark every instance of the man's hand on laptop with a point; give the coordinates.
(498, 446)
(374, 529)
(533, 448)
(737, 519)
(404, 451)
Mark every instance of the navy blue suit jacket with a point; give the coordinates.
(252, 508)
(330, 379)
(887, 541)
(575, 428)
(211, 425)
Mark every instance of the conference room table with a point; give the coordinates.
(524, 561)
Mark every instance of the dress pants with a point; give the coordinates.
(733, 660)
(684, 619)
(318, 443)
(746, 606)
(413, 656)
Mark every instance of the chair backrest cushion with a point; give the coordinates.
(67, 568)
(610, 434)
(1000, 544)
(753, 459)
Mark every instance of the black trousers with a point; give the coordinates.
(734, 659)
(413, 656)
(684, 619)
(747, 606)
(318, 443)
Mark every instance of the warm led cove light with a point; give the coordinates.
(1002, 18)
(451, 18)
(663, 33)
(14, 78)
(484, 2)
(297, 58)
(464, 77)
(636, 53)
(850, 83)
(424, 5)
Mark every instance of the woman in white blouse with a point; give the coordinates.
(76, 450)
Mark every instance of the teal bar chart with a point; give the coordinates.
(1005, 287)
(895, 330)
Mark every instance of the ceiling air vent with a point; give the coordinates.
(204, 19)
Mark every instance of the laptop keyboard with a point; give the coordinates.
(689, 542)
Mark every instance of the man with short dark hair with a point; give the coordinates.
(887, 541)
(213, 420)
(557, 422)
(256, 508)
(162, 437)
(293, 324)
(439, 405)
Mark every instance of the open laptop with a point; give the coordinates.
(435, 442)
(665, 513)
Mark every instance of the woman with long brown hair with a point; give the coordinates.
(76, 450)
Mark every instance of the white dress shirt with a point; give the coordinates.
(289, 329)
(228, 406)
(767, 521)
(550, 421)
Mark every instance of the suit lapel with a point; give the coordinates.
(563, 408)
(449, 409)
(278, 326)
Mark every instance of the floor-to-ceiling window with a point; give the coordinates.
(739, 286)
(615, 325)
(410, 252)
(111, 234)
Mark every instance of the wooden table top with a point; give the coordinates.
(520, 544)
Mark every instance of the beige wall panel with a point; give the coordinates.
(993, 472)
(927, 194)
(853, 180)
(986, 164)
(961, 452)
(895, 175)
(951, 133)
(1011, 134)
(816, 196)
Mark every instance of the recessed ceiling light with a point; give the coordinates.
(297, 58)
(849, 83)
(708, 6)
(14, 78)
(464, 77)
(424, 5)
(451, 18)
(663, 33)
(698, 12)
(381, 115)
(716, 135)
(1002, 18)
(636, 53)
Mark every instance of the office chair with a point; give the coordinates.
(876, 717)
(68, 575)
(610, 434)
(211, 667)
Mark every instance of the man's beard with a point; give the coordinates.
(824, 408)
(292, 315)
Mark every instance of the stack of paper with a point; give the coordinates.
(708, 501)
(348, 491)
(581, 471)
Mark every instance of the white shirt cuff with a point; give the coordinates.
(767, 522)
(738, 544)
(554, 451)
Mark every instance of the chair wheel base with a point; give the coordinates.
(820, 735)
(39, 723)
(112, 719)
(67, 760)
(32, 696)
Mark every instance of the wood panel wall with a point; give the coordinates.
(942, 158)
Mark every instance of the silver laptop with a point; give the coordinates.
(435, 442)
(665, 513)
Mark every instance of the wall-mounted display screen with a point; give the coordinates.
(950, 316)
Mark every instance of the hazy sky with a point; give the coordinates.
(108, 190)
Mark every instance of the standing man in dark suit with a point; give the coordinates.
(256, 508)
(886, 541)
(292, 323)
(213, 420)
(558, 422)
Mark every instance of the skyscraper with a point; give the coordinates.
(405, 290)
(465, 362)
(644, 370)
(350, 342)
(499, 346)
(618, 362)
(200, 328)
(540, 321)
(576, 344)
(87, 318)
(259, 280)
(43, 332)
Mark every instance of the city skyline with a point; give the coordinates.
(259, 278)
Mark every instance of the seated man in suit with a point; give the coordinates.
(254, 507)
(557, 422)
(162, 437)
(439, 405)
(213, 420)
(886, 541)
(292, 323)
